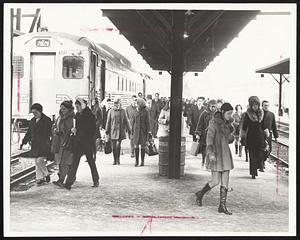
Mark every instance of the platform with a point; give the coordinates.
(128, 195)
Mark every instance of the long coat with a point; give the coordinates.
(96, 110)
(219, 136)
(116, 130)
(202, 125)
(86, 130)
(270, 123)
(154, 111)
(64, 126)
(253, 124)
(193, 118)
(38, 134)
(140, 124)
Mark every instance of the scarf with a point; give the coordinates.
(255, 116)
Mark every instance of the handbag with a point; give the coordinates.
(195, 148)
(151, 149)
(107, 147)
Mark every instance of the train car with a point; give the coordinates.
(50, 67)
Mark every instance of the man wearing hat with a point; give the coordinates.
(201, 128)
(84, 132)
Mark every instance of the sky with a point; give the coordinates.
(230, 76)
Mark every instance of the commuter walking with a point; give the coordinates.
(38, 135)
(202, 126)
(219, 104)
(237, 118)
(84, 140)
(62, 128)
(106, 106)
(219, 158)
(164, 121)
(96, 110)
(270, 123)
(116, 125)
(140, 123)
(194, 115)
(256, 132)
(160, 104)
(154, 111)
(130, 110)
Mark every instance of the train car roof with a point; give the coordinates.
(103, 49)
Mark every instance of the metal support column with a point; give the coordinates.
(280, 112)
(176, 94)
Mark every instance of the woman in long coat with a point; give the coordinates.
(116, 125)
(140, 124)
(256, 134)
(38, 135)
(62, 128)
(219, 158)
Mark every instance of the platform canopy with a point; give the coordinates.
(206, 34)
(281, 67)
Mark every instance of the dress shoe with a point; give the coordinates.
(96, 184)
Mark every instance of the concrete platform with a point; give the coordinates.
(137, 201)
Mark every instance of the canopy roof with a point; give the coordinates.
(281, 67)
(207, 33)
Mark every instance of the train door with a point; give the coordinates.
(42, 81)
(102, 80)
(93, 65)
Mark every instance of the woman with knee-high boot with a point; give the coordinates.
(140, 124)
(116, 124)
(236, 124)
(219, 159)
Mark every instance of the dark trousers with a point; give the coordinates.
(131, 144)
(256, 160)
(64, 170)
(76, 159)
(116, 147)
(155, 128)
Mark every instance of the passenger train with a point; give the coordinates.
(50, 67)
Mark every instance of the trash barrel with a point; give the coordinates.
(164, 155)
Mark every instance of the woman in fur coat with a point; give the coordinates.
(256, 133)
(219, 159)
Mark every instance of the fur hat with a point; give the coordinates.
(226, 107)
(252, 100)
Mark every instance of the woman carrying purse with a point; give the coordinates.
(219, 159)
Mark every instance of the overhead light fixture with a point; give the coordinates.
(185, 34)
(189, 12)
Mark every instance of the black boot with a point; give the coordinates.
(118, 156)
(223, 196)
(137, 151)
(240, 150)
(236, 149)
(115, 157)
(143, 151)
(59, 183)
(246, 152)
(201, 193)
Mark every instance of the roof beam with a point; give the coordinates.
(157, 37)
(203, 28)
(162, 19)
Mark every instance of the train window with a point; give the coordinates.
(118, 83)
(73, 67)
(122, 84)
(18, 66)
(126, 85)
(129, 86)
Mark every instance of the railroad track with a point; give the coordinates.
(16, 157)
(278, 158)
(25, 175)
